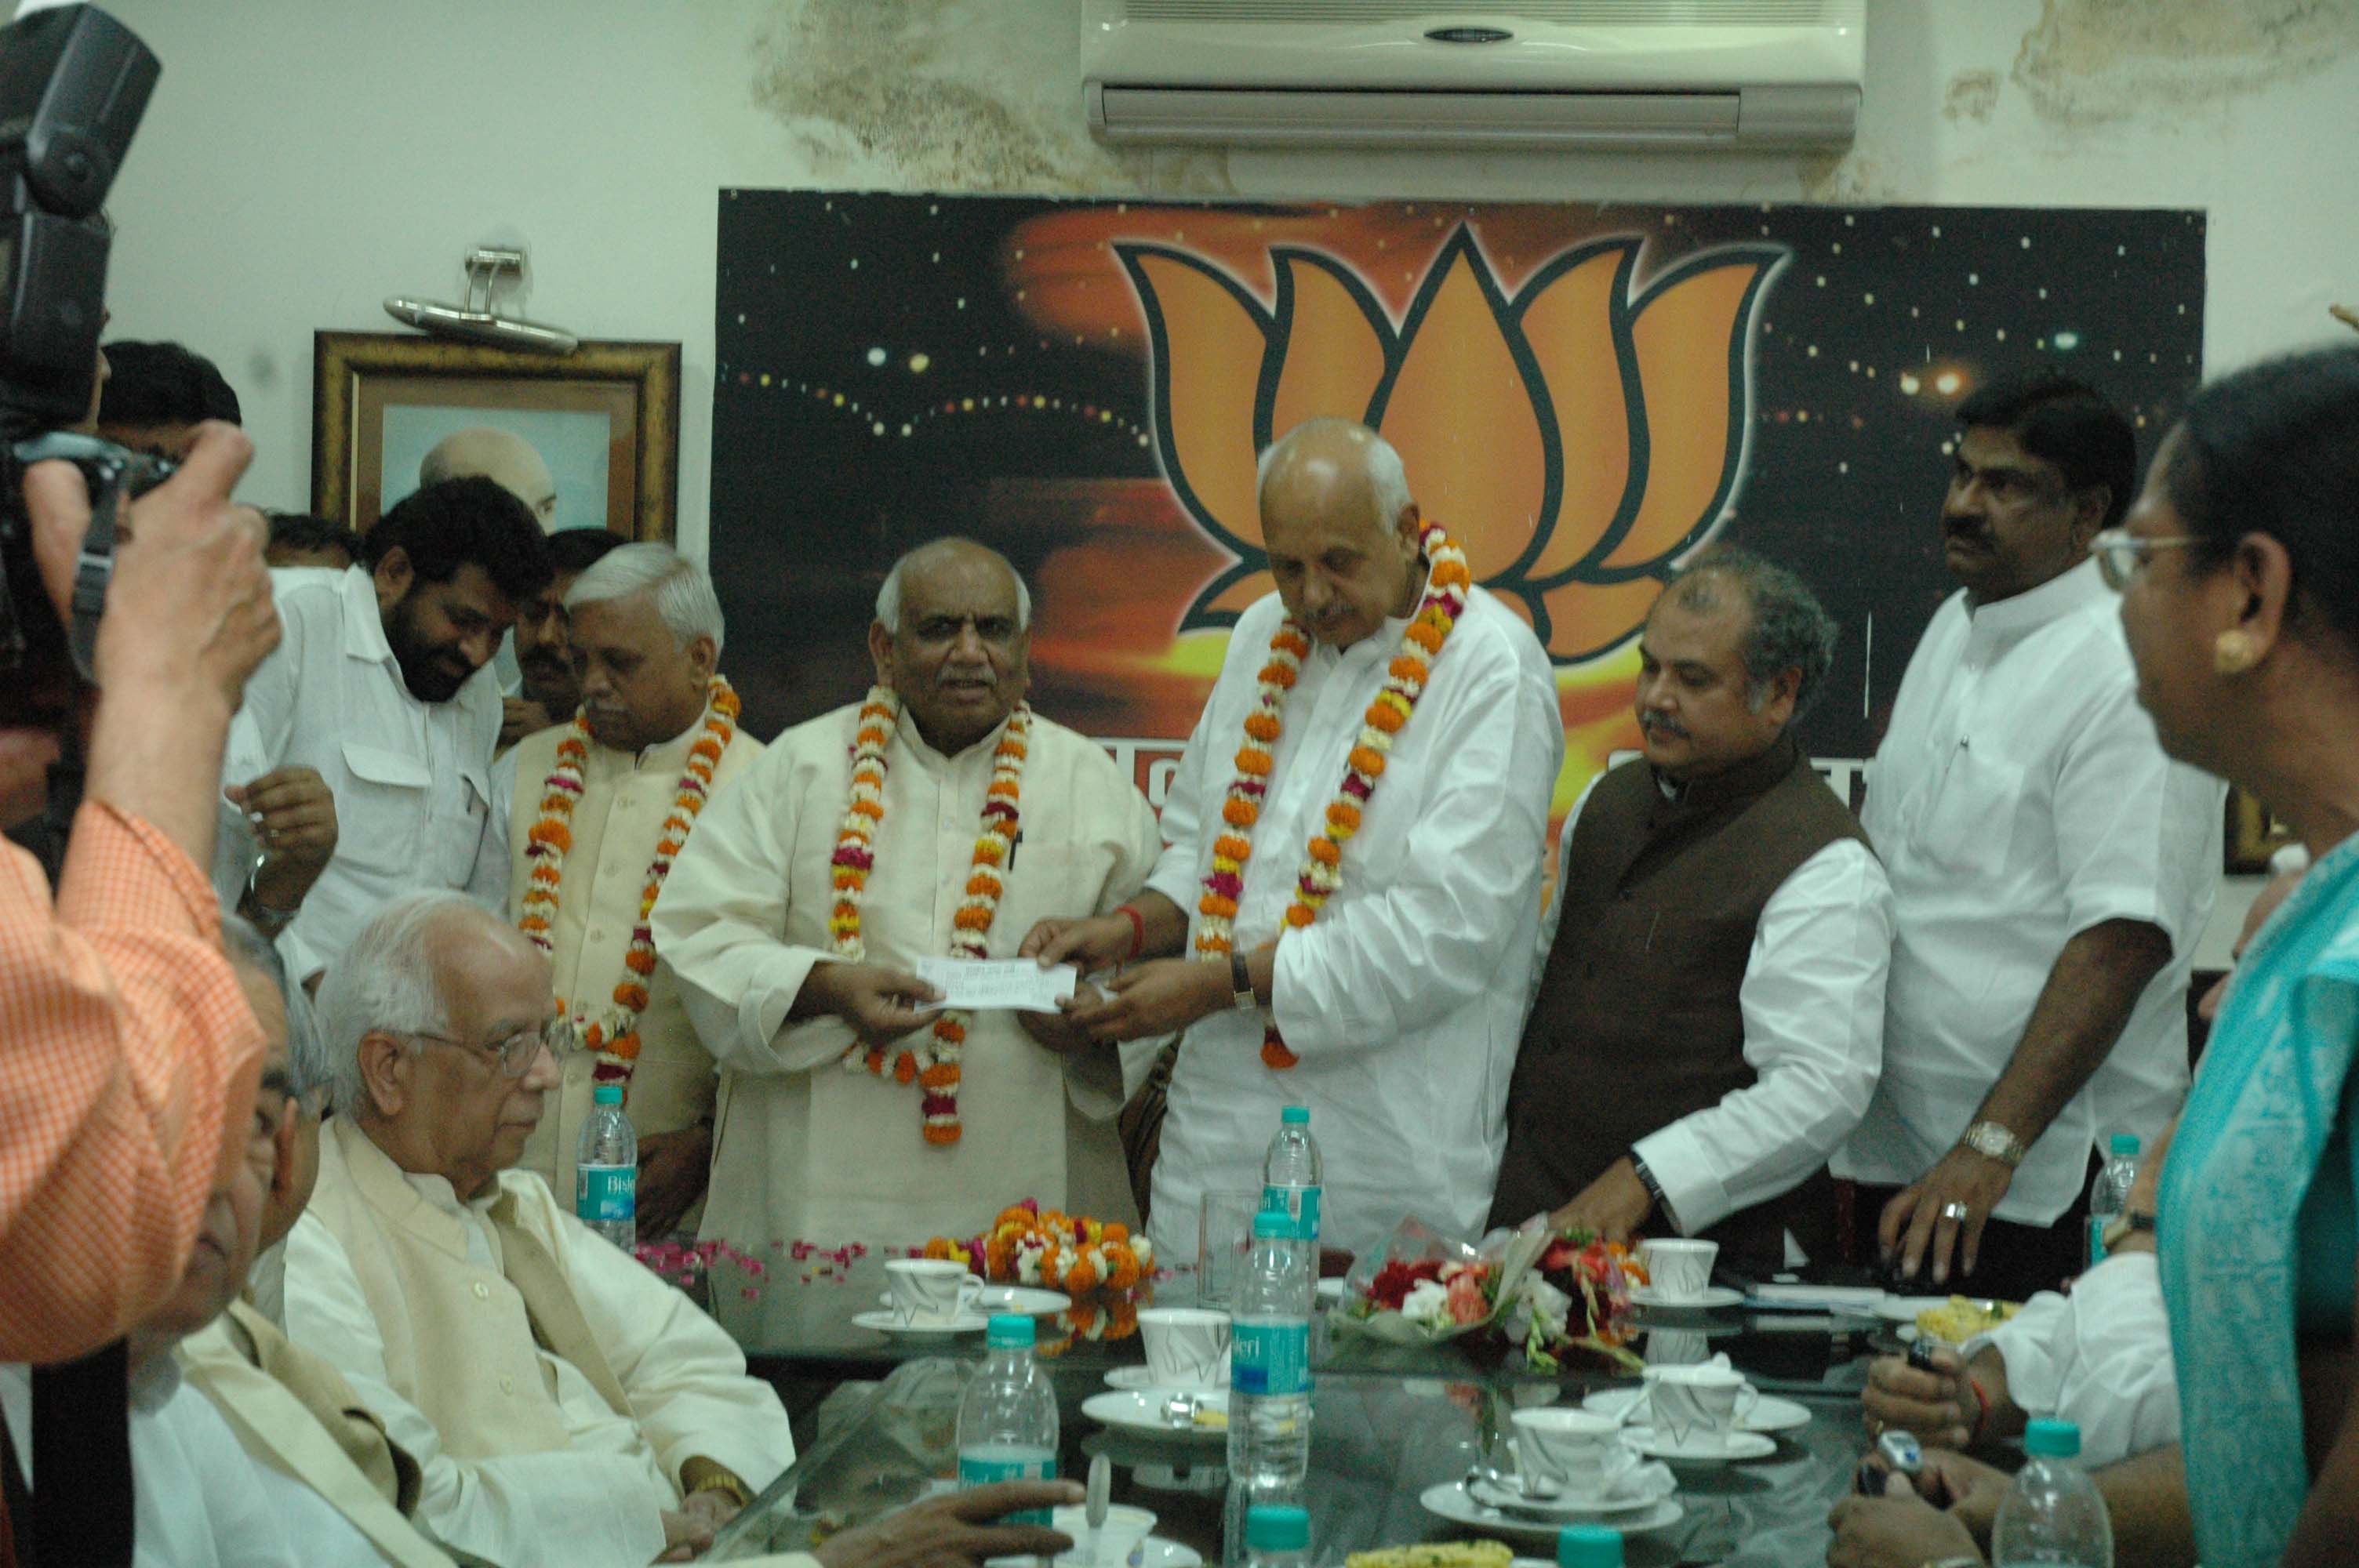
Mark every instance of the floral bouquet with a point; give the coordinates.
(1575, 1299)
(1421, 1287)
(1075, 1254)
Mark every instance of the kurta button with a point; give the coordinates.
(482, 1291)
(507, 1384)
(597, 934)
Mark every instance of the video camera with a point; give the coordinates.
(74, 83)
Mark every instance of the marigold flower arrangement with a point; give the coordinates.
(1575, 1300)
(1112, 1316)
(1075, 1254)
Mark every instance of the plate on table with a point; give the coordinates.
(1153, 1553)
(1768, 1414)
(1506, 1499)
(1718, 1448)
(1021, 1299)
(1141, 1414)
(890, 1323)
(1453, 1501)
(1141, 1379)
(1714, 1299)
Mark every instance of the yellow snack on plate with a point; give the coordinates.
(1215, 1419)
(1443, 1554)
(1963, 1317)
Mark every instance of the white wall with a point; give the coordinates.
(305, 158)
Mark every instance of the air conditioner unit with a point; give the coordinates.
(1693, 74)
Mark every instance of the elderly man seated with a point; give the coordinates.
(564, 1404)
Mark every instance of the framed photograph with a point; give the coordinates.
(589, 438)
(2253, 834)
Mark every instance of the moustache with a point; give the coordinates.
(1671, 729)
(1964, 531)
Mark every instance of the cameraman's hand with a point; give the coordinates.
(294, 816)
(188, 610)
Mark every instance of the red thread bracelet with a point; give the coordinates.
(1982, 1410)
(1137, 930)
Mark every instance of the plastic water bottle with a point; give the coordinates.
(1587, 1546)
(2109, 1192)
(1007, 1418)
(2052, 1515)
(606, 1170)
(1278, 1535)
(1292, 1175)
(1269, 1379)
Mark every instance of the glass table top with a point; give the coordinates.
(1390, 1424)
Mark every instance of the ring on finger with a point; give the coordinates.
(1956, 1212)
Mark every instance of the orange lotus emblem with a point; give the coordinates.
(1576, 438)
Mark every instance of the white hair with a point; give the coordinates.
(1387, 478)
(683, 592)
(889, 598)
(383, 982)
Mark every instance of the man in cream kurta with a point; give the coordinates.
(1404, 999)
(646, 629)
(563, 1403)
(809, 1150)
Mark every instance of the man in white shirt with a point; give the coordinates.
(2051, 871)
(626, 784)
(1708, 1014)
(1393, 1012)
(846, 1112)
(564, 1404)
(378, 687)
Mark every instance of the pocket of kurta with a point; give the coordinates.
(380, 808)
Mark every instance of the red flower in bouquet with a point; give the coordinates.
(1577, 1298)
(1468, 1302)
(1396, 1279)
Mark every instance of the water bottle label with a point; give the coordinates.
(1299, 1204)
(982, 1470)
(1270, 1359)
(2097, 1239)
(605, 1193)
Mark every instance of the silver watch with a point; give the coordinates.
(268, 919)
(1989, 1138)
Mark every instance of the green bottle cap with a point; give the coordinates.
(1008, 1331)
(607, 1094)
(1587, 1546)
(2125, 1145)
(1277, 1527)
(2049, 1439)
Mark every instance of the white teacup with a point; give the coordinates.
(1116, 1541)
(1678, 1271)
(931, 1290)
(1187, 1347)
(1676, 1348)
(1705, 1400)
(1572, 1451)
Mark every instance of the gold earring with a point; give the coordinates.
(2235, 652)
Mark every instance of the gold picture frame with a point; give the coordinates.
(604, 420)
(2254, 835)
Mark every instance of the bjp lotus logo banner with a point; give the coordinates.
(1583, 396)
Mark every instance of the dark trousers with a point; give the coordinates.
(2014, 1261)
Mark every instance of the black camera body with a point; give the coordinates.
(74, 83)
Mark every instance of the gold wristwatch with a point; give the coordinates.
(1989, 1138)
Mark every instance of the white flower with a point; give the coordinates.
(1427, 1302)
(1539, 1301)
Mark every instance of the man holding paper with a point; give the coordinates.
(939, 818)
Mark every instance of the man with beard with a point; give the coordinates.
(548, 691)
(379, 690)
(2052, 869)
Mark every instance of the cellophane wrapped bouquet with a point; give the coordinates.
(1421, 1287)
(1574, 1302)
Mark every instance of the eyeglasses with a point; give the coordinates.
(2122, 555)
(515, 1054)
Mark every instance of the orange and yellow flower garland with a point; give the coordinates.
(616, 1035)
(1321, 873)
(934, 1065)
(1073, 1253)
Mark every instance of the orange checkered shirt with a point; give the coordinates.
(126, 1049)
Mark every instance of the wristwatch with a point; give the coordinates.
(1989, 1138)
(2124, 1225)
(1241, 990)
(1654, 1188)
(267, 918)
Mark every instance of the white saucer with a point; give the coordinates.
(1713, 1298)
(1450, 1500)
(1769, 1414)
(1508, 1500)
(888, 1323)
(1734, 1448)
(1153, 1553)
(1021, 1299)
(1141, 1414)
(1139, 1380)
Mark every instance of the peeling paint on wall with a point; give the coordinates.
(1851, 176)
(2089, 61)
(1973, 96)
(981, 95)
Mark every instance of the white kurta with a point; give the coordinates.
(1405, 999)
(597, 1499)
(413, 779)
(1813, 998)
(2020, 797)
(809, 1150)
(616, 823)
(197, 1501)
(2100, 1357)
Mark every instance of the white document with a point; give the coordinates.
(979, 984)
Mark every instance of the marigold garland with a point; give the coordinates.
(614, 1035)
(1448, 582)
(933, 1064)
(1072, 1253)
